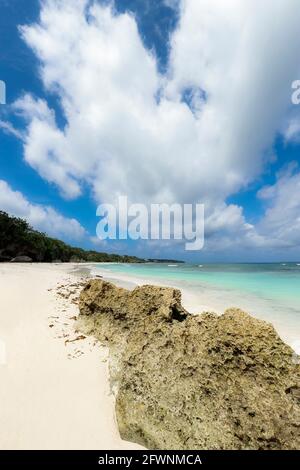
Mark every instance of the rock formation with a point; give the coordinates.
(187, 381)
(21, 259)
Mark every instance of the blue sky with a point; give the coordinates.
(223, 132)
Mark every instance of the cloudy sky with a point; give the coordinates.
(165, 101)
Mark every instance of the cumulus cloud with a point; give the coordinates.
(40, 217)
(172, 3)
(292, 131)
(245, 62)
(199, 133)
(282, 216)
(9, 129)
(45, 145)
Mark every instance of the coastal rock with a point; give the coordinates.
(193, 381)
(21, 259)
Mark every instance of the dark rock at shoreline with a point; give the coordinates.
(21, 259)
(193, 381)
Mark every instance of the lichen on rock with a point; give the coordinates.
(187, 381)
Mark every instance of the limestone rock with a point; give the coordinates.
(193, 381)
(22, 259)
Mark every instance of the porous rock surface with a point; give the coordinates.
(193, 381)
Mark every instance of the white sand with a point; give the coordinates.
(49, 399)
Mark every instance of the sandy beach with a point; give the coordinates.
(54, 394)
(55, 389)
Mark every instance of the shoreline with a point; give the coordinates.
(198, 302)
(57, 391)
(189, 301)
(191, 382)
(54, 394)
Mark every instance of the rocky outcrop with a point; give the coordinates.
(193, 381)
(21, 259)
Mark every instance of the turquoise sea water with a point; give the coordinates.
(269, 291)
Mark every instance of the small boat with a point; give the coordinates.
(172, 265)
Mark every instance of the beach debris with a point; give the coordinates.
(67, 293)
(78, 338)
(187, 381)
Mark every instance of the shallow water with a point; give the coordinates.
(268, 291)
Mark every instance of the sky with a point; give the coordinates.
(166, 101)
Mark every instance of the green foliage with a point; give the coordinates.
(17, 238)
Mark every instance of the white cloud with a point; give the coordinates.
(292, 131)
(121, 139)
(172, 3)
(282, 216)
(9, 129)
(245, 61)
(45, 146)
(40, 217)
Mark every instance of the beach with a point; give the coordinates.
(189, 382)
(55, 382)
(54, 395)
